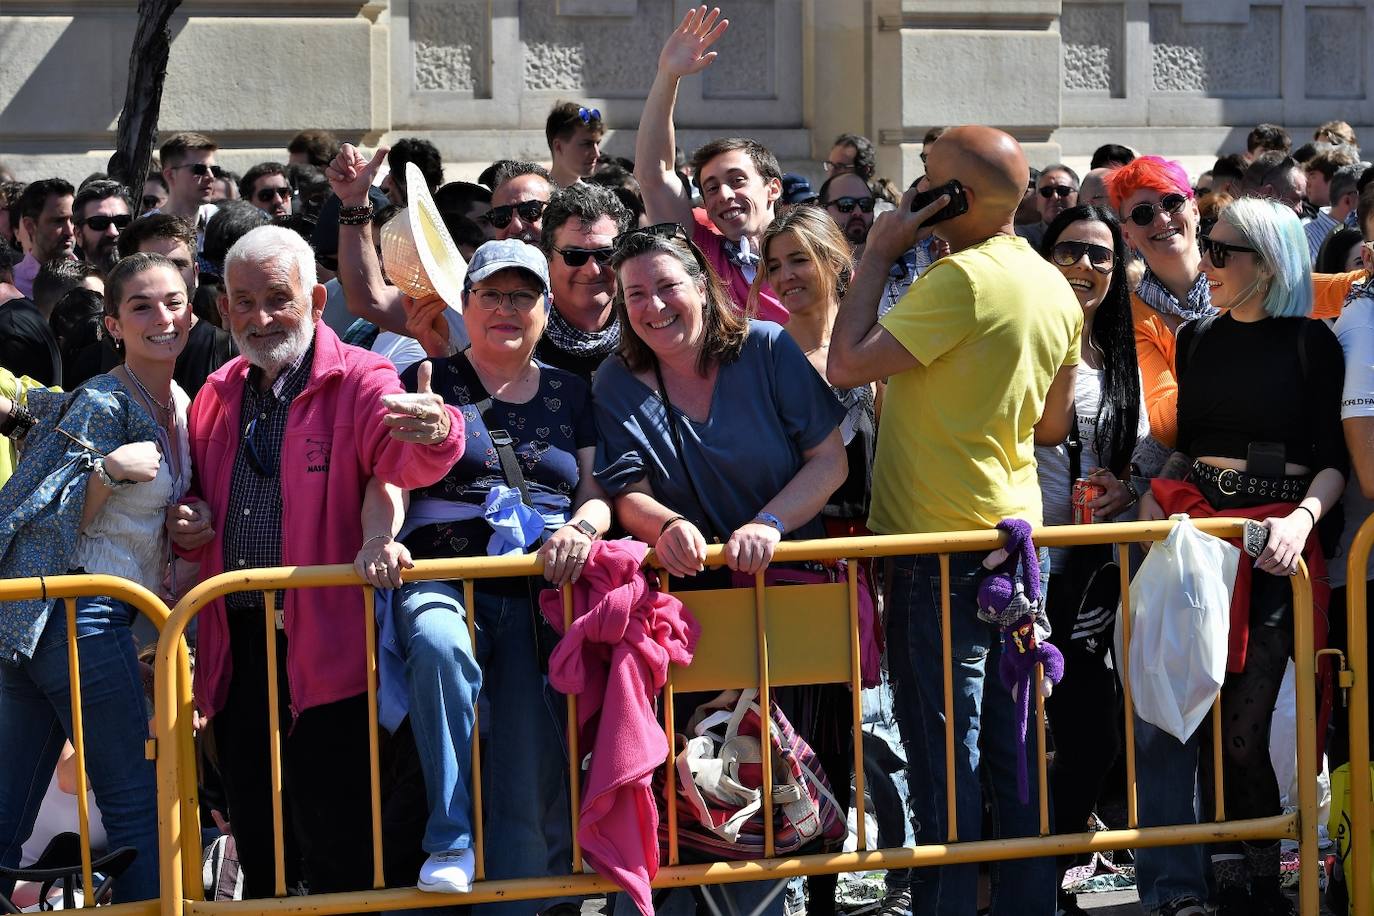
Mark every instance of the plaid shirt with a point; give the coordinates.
(1156, 295)
(252, 532)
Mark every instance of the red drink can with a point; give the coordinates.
(1084, 492)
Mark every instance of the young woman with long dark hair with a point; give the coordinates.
(1110, 425)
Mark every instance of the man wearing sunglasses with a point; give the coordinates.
(188, 167)
(520, 192)
(849, 200)
(1056, 190)
(574, 134)
(266, 187)
(580, 224)
(740, 179)
(101, 211)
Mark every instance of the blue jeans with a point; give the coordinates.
(1166, 774)
(36, 719)
(524, 761)
(985, 742)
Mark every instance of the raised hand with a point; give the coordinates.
(419, 417)
(686, 52)
(350, 174)
(895, 231)
(425, 322)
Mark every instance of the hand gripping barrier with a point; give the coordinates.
(766, 637)
(68, 589)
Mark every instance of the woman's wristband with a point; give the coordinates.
(1309, 512)
(670, 522)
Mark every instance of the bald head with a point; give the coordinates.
(991, 165)
(1094, 188)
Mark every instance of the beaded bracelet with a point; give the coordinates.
(17, 425)
(355, 216)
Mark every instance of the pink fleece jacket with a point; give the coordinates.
(337, 416)
(615, 659)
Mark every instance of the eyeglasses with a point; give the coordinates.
(522, 300)
(268, 195)
(261, 465)
(1100, 258)
(588, 115)
(201, 170)
(1144, 214)
(529, 211)
(847, 204)
(100, 222)
(1057, 190)
(1219, 252)
(576, 257)
(837, 168)
(151, 201)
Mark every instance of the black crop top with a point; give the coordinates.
(1247, 383)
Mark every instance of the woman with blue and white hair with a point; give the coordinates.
(1259, 421)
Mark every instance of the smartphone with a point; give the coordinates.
(1255, 538)
(1265, 459)
(957, 206)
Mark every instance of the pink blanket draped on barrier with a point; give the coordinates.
(615, 659)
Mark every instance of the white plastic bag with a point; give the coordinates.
(1180, 623)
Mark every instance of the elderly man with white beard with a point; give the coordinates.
(286, 439)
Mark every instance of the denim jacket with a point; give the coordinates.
(41, 504)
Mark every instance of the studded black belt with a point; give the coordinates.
(1231, 482)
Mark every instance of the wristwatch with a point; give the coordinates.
(768, 518)
(105, 477)
(585, 527)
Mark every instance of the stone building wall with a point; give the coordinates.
(1181, 77)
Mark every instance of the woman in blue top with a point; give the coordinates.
(711, 427)
(89, 494)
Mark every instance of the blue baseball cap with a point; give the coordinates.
(504, 255)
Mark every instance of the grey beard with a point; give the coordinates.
(272, 360)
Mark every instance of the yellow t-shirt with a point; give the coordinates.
(16, 389)
(991, 326)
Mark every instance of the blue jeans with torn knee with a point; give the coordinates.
(985, 741)
(524, 766)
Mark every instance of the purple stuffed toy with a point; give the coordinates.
(1013, 603)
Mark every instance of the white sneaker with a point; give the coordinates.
(447, 872)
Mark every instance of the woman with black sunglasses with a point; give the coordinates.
(1259, 419)
(1110, 426)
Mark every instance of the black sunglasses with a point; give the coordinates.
(201, 170)
(623, 244)
(100, 222)
(150, 201)
(529, 211)
(576, 257)
(267, 195)
(1100, 257)
(1056, 190)
(1144, 214)
(847, 204)
(1219, 252)
(261, 467)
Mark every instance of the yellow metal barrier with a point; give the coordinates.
(744, 643)
(1357, 659)
(69, 589)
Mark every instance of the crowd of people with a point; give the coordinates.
(345, 359)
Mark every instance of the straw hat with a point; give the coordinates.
(418, 252)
